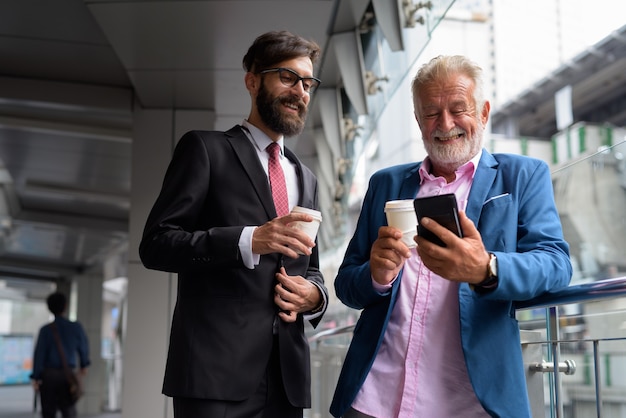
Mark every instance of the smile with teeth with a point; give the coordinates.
(449, 137)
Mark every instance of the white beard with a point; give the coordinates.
(449, 158)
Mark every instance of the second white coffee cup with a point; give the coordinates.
(310, 228)
(401, 214)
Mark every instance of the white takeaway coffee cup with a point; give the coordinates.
(401, 215)
(310, 228)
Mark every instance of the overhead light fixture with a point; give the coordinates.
(350, 129)
(367, 22)
(410, 10)
(372, 82)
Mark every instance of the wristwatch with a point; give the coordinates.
(491, 282)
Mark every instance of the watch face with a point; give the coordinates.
(493, 265)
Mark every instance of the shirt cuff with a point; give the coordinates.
(311, 316)
(383, 288)
(250, 260)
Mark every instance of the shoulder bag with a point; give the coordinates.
(75, 383)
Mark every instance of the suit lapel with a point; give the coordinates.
(247, 155)
(304, 186)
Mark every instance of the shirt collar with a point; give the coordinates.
(259, 138)
(469, 168)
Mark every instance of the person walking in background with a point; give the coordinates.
(437, 336)
(49, 377)
(247, 280)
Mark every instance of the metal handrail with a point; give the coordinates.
(586, 292)
(332, 332)
(602, 289)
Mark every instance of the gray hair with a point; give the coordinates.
(441, 67)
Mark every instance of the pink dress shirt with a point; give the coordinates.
(420, 370)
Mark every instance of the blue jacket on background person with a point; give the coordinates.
(49, 377)
(74, 342)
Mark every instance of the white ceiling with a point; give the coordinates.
(187, 54)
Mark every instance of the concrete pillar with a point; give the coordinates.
(151, 294)
(88, 292)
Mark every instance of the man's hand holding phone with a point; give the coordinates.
(462, 258)
(442, 209)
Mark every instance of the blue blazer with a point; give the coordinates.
(512, 203)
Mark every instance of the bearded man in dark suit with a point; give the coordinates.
(247, 280)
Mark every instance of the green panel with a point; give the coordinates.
(582, 139)
(609, 136)
(587, 369)
(568, 138)
(607, 368)
(524, 146)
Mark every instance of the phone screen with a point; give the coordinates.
(442, 209)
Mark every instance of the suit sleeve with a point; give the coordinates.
(173, 238)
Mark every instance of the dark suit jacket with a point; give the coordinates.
(221, 335)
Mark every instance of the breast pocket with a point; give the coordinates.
(498, 222)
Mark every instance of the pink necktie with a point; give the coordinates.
(277, 180)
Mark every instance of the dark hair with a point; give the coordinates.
(278, 46)
(57, 303)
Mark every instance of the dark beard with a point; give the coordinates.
(271, 115)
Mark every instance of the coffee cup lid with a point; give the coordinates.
(396, 205)
(314, 213)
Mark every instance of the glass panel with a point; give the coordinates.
(592, 338)
(590, 191)
(381, 61)
(591, 198)
(391, 67)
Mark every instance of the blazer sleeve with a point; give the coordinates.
(353, 284)
(520, 224)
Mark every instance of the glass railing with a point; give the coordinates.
(390, 68)
(579, 331)
(584, 326)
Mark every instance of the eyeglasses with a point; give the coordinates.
(290, 78)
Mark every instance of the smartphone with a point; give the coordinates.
(443, 209)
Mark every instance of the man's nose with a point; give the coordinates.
(446, 121)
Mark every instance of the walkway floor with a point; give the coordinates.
(17, 402)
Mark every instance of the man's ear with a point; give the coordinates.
(252, 82)
(484, 115)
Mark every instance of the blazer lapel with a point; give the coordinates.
(411, 183)
(483, 181)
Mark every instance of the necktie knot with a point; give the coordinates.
(274, 150)
(277, 180)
